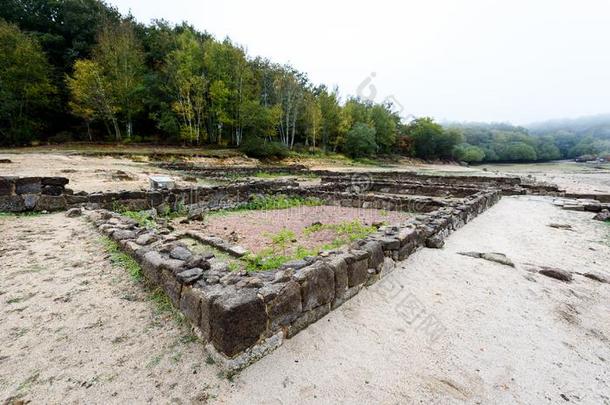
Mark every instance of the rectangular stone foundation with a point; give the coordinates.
(244, 316)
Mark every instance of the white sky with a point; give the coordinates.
(462, 60)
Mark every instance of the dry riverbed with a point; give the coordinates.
(78, 329)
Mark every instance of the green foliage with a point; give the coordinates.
(276, 202)
(347, 231)
(120, 259)
(277, 255)
(262, 149)
(143, 218)
(282, 240)
(430, 140)
(505, 142)
(469, 153)
(75, 64)
(360, 141)
(26, 89)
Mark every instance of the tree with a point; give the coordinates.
(331, 118)
(469, 153)
(289, 85)
(92, 96)
(120, 56)
(360, 141)
(187, 84)
(385, 127)
(25, 85)
(313, 119)
(425, 134)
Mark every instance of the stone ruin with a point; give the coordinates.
(241, 316)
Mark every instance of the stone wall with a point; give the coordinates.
(19, 194)
(242, 316)
(222, 172)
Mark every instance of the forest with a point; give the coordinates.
(79, 71)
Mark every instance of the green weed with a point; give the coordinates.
(118, 258)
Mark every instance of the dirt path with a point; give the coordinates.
(444, 328)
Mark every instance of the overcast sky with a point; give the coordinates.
(459, 60)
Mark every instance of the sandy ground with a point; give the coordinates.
(75, 329)
(572, 176)
(443, 328)
(90, 174)
(87, 173)
(254, 229)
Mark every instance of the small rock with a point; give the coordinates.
(597, 277)
(180, 253)
(73, 212)
(573, 207)
(435, 242)
(282, 276)
(604, 215)
(229, 279)
(254, 282)
(212, 280)
(498, 258)
(561, 226)
(236, 251)
(6, 161)
(199, 261)
(196, 214)
(190, 276)
(558, 274)
(121, 234)
(476, 255)
(145, 239)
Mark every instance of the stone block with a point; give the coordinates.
(171, 286)
(54, 181)
(122, 234)
(375, 254)
(237, 321)
(357, 272)
(208, 295)
(339, 266)
(30, 200)
(317, 285)
(51, 203)
(7, 186)
(307, 318)
(12, 203)
(28, 185)
(190, 304)
(52, 190)
(151, 266)
(76, 199)
(286, 306)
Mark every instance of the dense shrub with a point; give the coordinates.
(431, 140)
(469, 153)
(360, 141)
(262, 149)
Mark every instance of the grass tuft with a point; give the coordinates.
(118, 258)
